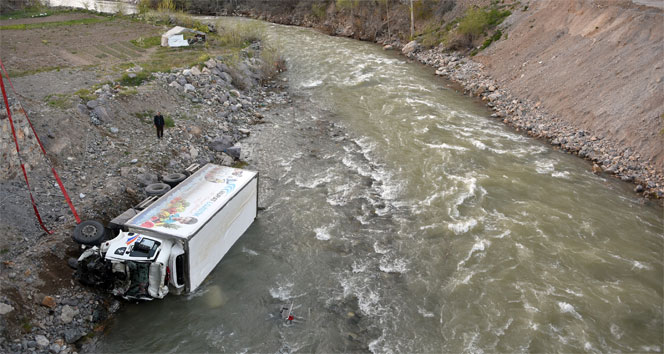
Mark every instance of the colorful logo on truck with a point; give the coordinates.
(169, 217)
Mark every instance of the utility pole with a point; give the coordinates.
(412, 21)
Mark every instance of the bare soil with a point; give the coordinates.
(595, 64)
(102, 43)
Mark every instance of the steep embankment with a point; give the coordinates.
(595, 65)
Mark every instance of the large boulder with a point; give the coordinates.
(221, 144)
(410, 47)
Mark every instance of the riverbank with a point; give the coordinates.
(96, 126)
(611, 120)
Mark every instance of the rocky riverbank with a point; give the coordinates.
(605, 154)
(106, 152)
(602, 107)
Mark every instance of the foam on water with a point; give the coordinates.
(461, 227)
(446, 147)
(393, 265)
(544, 166)
(478, 246)
(249, 251)
(322, 233)
(422, 311)
(567, 308)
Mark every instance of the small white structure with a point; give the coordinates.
(175, 37)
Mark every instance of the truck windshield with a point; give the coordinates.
(145, 248)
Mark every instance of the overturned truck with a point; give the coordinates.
(177, 239)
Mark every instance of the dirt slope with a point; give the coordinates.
(595, 64)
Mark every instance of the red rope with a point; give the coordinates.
(41, 146)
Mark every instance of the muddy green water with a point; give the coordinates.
(400, 218)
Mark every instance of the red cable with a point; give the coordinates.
(41, 146)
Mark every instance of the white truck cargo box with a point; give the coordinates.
(206, 214)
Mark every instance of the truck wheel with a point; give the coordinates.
(89, 232)
(173, 179)
(157, 189)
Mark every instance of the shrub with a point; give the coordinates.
(318, 10)
(169, 122)
(241, 34)
(477, 21)
(166, 5)
(272, 62)
(134, 80)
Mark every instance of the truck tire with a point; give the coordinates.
(172, 179)
(89, 232)
(157, 189)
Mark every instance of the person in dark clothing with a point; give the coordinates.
(159, 123)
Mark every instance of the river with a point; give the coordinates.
(399, 217)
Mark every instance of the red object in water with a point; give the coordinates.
(290, 317)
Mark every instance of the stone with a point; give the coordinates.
(221, 144)
(48, 301)
(195, 71)
(638, 188)
(410, 47)
(494, 96)
(388, 47)
(68, 314)
(81, 195)
(114, 130)
(72, 335)
(196, 131)
(5, 308)
(176, 85)
(211, 63)
(92, 104)
(189, 88)
(226, 77)
(54, 348)
(234, 152)
(101, 113)
(596, 169)
(42, 341)
(146, 178)
(193, 152)
(182, 80)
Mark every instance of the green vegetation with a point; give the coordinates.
(134, 79)
(147, 42)
(476, 21)
(58, 100)
(85, 95)
(169, 122)
(27, 26)
(318, 10)
(26, 325)
(487, 42)
(241, 34)
(347, 4)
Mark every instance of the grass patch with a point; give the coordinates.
(86, 95)
(126, 92)
(240, 164)
(28, 26)
(241, 34)
(134, 79)
(58, 100)
(169, 122)
(147, 42)
(26, 325)
(476, 21)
